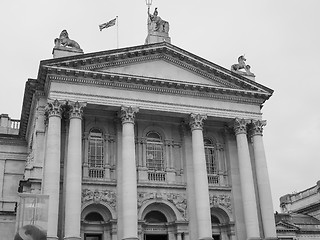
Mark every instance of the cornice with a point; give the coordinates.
(161, 86)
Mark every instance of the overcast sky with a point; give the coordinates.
(281, 41)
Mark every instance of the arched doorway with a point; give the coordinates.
(96, 222)
(156, 226)
(222, 227)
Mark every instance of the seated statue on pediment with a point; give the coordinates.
(65, 42)
(156, 23)
(242, 65)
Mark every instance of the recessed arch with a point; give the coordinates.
(106, 212)
(219, 215)
(166, 208)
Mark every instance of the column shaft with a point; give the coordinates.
(247, 184)
(129, 176)
(200, 178)
(52, 167)
(73, 177)
(264, 189)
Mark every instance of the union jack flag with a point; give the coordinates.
(108, 24)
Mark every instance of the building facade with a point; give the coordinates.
(145, 142)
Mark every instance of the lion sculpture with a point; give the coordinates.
(65, 41)
(241, 65)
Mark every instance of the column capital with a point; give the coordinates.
(54, 108)
(76, 109)
(127, 114)
(256, 127)
(240, 126)
(196, 121)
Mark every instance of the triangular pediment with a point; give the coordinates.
(161, 62)
(162, 69)
(285, 226)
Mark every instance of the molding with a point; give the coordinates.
(155, 106)
(164, 86)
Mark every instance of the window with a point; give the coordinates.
(210, 157)
(96, 154)
(154, 152)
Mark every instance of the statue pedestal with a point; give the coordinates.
(156, 37)
(59, 52)
(251, 77)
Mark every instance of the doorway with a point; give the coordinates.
(89, 236)
(156, 237)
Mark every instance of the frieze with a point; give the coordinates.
(98, 196)
(178, 200)
(222, 200)
(168, 107)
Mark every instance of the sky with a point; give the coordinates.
(280, 39)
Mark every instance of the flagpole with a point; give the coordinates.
(117, 33)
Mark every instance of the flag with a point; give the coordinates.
(107, 24)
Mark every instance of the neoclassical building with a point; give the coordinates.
(144, 142)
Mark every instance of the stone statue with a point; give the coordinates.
(241, 65)
(65, 41)
(155, 22)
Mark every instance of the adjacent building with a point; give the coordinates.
(300, 215)
(144, 142)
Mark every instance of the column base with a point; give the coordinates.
(72, 238)
(52, 238)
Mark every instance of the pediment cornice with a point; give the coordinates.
(163, 86)
(165, 51)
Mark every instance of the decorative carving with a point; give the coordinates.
(65, 42)
(196, 121)
(240, 126)
(222, 200)
(179, 200)
(257, 127)
(53, 108)
(76, 109)
(128, 114)
(241, 65)
(155, 22)
(98, 196)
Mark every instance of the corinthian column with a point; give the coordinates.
(129, 175)
(246, 179)
(264, 189)
(52, 166)
(200, 178)
(73, 177)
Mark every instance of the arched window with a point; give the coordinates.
(211, 160)
(154, 152)
(96, 154)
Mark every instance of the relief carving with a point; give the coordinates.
(222, 200)
(98, 196)
(178, 200)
